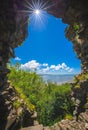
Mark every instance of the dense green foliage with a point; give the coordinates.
(51, 101)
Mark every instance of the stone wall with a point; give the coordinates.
(82, 124)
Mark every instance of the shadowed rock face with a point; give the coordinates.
(57, 8)
(13, 31)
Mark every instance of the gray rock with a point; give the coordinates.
(38, 127)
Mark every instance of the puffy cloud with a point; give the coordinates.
(52, 67)
(45, 68)
(45, 65)
(30, 65)
(55, 67)
(58, 67)
(70, 70)
(17, 58)
(62, 66)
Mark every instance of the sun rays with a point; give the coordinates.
(36, 10)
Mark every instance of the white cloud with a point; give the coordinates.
(55, 67)
(45, 68)
(67, 68)
(33, 64)
(17, 58)
(70, 70)
(58, 67)
(64, 66)
(52, 67)
(45, 65)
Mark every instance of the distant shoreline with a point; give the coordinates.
(57, 78)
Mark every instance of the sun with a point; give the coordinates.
(37, 11)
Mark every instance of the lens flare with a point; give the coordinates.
(36, 11)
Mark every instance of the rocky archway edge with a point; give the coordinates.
(12, 34)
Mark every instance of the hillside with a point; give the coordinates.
(51, 101)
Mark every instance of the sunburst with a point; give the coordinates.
(36, 10)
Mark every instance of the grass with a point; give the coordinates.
(17, 104)
(69, 117)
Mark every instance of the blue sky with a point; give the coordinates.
(46, 48)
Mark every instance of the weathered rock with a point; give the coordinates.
(47, 128)
(80, 92)
(11, 123)
(38, 127)
(12, 118)
(82, 124)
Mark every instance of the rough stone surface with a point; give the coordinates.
(12, 118)
(80, 94)
(82, 124)
(38, 127)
